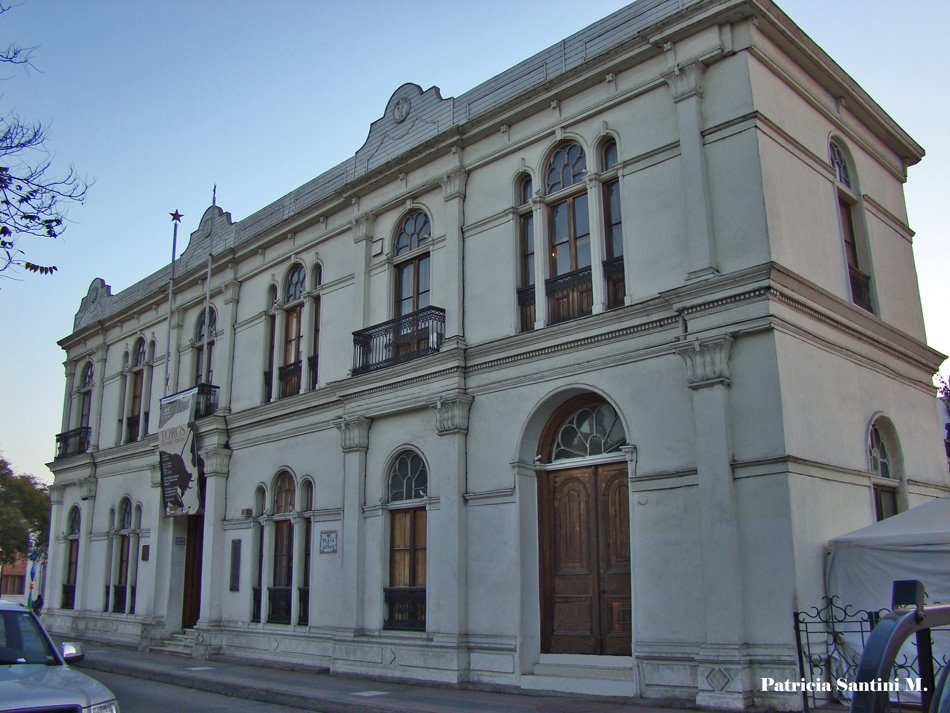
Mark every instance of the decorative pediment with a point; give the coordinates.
(97, 303)
(412, 116)
(215, 231)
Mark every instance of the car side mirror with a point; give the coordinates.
(72, 652)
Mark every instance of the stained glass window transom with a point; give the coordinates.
(840, 164)
(414, 232)
(408, 479)
(524, 190)
(125, 514)
(139, 358)
(609, 154)
(87, 375)
(567, 167)
(590, 431)
(284, 493)
(880, 464)
(296, 283)
(74, 518)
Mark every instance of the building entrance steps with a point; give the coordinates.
(319, 691)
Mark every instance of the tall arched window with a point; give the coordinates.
(412, 273)
(136, 421)
(123, 552)
(568, 289)
(407, 484)
(290, 370)
(204, 347)
(613, 226)
(271, 342)
(883, 462)
(859, 276)
(279, 604)
(526, 301)
(73, 523)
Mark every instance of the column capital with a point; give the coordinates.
(707, 360)
(56, 494)
(216, 461)
(87, 488)
(354, 433)
(451, 413)
(453, 184)
(362, 226)
(685, 80)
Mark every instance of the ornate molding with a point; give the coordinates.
(707, 360)
(354, 433)
(87, 488)
(685, 80)
(453, 184)
(216, 461)
(451, 414)
(56, 493)
(363, 226)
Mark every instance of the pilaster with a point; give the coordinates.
(363, 226)
(216, 464)
(232, 291)
(354, 442)
(686, 85)
(99, 387)
(723, 679)
(595, 202)
(540, 222)
(453, 196)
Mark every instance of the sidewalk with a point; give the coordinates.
(338, 694)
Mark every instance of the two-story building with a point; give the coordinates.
(563, 383)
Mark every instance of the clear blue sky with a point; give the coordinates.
(156, 102)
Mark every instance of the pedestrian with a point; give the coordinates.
(38, 605)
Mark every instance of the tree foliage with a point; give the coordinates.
(24, 513)
(33, 201)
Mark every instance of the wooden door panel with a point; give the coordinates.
(614, 545)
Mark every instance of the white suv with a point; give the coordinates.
(35, 677)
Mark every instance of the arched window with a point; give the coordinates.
(85, 401)
(526, 251)
(613, 225)
(406, 595)
(204, 350)
(290, 369)
(136, 414)
(884, 467)
(279, 595)
(412, 274)
(569, 289)
(859, 276)
(120, 587)
(73, 522)
(590, 431)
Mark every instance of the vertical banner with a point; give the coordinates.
(178, 454)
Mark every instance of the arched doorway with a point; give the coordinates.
(584, 531)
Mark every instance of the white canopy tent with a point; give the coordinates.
(915, 544)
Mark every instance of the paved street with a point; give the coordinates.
(142, 696)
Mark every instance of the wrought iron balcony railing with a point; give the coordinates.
(73, 442)
(207, 402)
(289, 378)
(569, 296)
(278, 605)
(399, 340)
(860, 288)
(613, 278)
(407, 608)
(526, 308)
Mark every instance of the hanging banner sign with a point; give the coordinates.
(178, 454)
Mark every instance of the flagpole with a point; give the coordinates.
(207, 313)
(176, 219)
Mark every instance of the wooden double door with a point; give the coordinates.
(584, 521)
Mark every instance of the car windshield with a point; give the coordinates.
(21, 640)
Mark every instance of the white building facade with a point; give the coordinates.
(562, 384)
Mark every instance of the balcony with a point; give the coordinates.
(206, 402)
(73, 442)
(613, 278)
(407, 608)
(399, 340)
(278, 605)
(860, 288)
(569, 296)
(289, 378)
